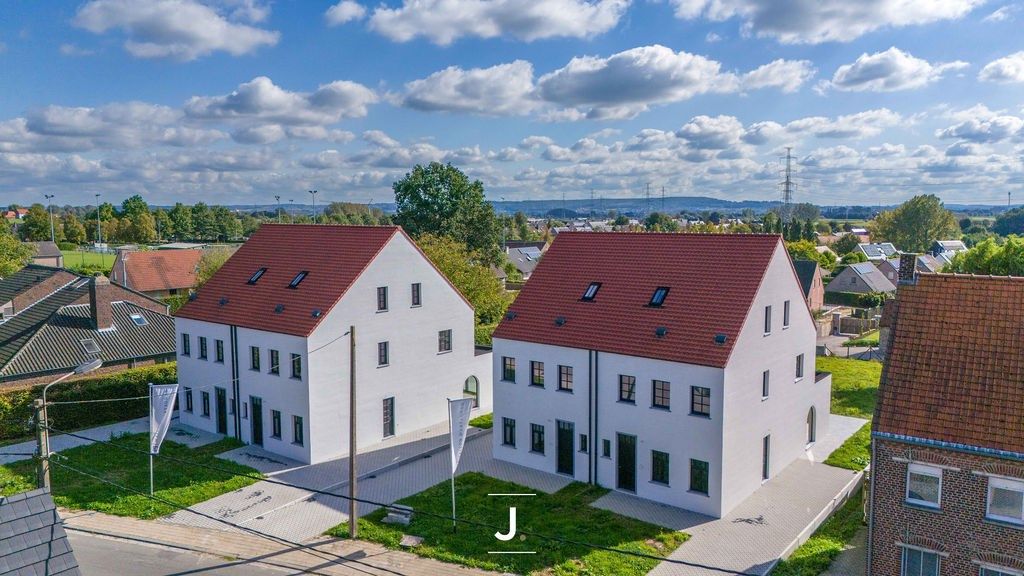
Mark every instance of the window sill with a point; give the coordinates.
(923, 506)
(662, 408)
(297, 444)
(383, 365)
(507, 381)
(416, 306)
(444, 352)
(565, 390)
(537, 453)
(700, 415)
(275, 437)
(382, 311)
(386, 436)
(512, 446)
(299, 378)
(764, 398)
(254, 369)
(698, 493)
(662, 484)
(203, 358)
(798, 379)
(273, 373)
(628, 402)
(767, 334)
(541, 386)
(786, 327)
(1004, 523)
(205, 416)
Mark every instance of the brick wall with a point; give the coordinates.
(959, 529)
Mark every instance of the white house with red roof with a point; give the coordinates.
(676, 367)
(263, 346)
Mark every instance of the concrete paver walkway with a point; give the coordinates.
(769, 524)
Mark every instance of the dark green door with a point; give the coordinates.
(626, 460)
(257, 420)
(564, 448)
(222, 410)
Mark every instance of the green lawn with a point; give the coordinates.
(566, 514)
(75, 259)
(854, 384)
(855, 453)
(175, 482)
(484, 421)
(866, 339)
(817, 554)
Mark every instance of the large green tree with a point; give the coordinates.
(204, 222)
(35, 226)
(470, 274)
(848, 243)
(660, 222)
(181, 222)
(805, 250)
(14, 254)
(915, 224)
(1010, 222)
(74, 232)
(990, 257)
(439, 199)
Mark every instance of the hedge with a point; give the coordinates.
(16, 405)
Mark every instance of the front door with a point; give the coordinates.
(626, 459)
(222, 410)
(566, 457)
(257, 420)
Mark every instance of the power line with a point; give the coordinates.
(393, 507)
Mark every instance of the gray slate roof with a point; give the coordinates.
(23, 279)
(873, 277)
(47, 249)
(805, 270)
(32, 537)
(879, 250)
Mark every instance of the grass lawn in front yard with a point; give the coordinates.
(79, 258)
(566, 514)
(816, 555)
(854, 384)
(179, 483)
(866, 339)
(855, 452)
(484, 421)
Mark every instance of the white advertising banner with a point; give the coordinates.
(161, 408)
(458, 415)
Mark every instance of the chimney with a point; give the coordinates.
(99, 302)
(908, 269)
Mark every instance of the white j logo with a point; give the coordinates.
(511, 527)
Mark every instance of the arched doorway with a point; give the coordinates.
(471, 389)
(811, 425)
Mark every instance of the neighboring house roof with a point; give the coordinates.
(180, 246)
(26, 278)
(805, 271)
(948, 246)
(525, 258)
(333, 256)
(539, 244)
(964, 389)
(46, 249)
(156, 270)
(873, 277)
(878, 250)
(712, 281)
(928, 263)
(32, 536)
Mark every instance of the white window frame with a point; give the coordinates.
(923, 470)
(1000, 569)
(1004, 484)
(903, 559)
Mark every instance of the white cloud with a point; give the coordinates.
(816, 21)
(1003, 14)
(505, 89)
(763, 132)
(344, 11)
(181, 29)
(712, 37)
(889, 71)
(444, 21)
(860, 125)
(979, 124)
(262, 100)
(712, 133)
(1009, 69)
(74, 50)
(786, 75)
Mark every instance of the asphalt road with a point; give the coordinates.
(99, 556)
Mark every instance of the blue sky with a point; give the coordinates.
(234, 101)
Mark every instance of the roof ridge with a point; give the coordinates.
(47, 296)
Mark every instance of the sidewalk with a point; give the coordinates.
(853, 561)
(360, 558)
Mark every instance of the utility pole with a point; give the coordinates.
(42, 444)
(504, 224)
(49, 209)
(314, 192)
(565, 214)
(591, 203)
(278, 198)
(1008, 200)
(662, 198)
(291, 211)
(353, 516)
(787, 186)
(99, 225)
(648, 204)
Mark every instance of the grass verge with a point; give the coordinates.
(566, 513)
(483, 421)
(854, 384)
(820, 550)
(867, 339)
(855, 452)
(178, 483)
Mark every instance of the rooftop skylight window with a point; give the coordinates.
(257, 275)
(659, 296)
(591, 291)
(298, 278)
(139, 319)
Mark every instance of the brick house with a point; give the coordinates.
(157, 273)
(947, 494)
(812, 282)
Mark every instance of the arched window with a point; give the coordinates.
(811, 424)
(471, 389)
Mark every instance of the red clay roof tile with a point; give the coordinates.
(153, 270)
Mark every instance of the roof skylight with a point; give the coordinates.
(658, 298)
(591, 291)
(298, 278)
(139, 319)
(257, 275)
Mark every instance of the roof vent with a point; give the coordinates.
(510, 315)
(660, 331)
(279, 309)
(192, 297)
(560, 321)
(317, 313)
(223, 300)
(720, 339)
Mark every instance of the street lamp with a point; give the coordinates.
(278, 198)
(49, 209)
(43, 423)
(314, 192)
(99, 225)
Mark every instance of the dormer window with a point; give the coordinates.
(591, 291)
(659, 296)
(257, 275)
(298, 278)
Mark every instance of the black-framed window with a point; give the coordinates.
(298, 432)
(698, 476)
(606, 448)
(256, 276)
(767, 319)
(565, 378)
(508, 369)
(382, 298)
(383, 354)
(799, 366)
(444, 341)
(202, 347)
(206, 404)
(275, 362)
(658, 298)
(186, 344)
(417, 294)
(218, 350)
(591, 291)
(700, 401)
(584, 444)
(254, 357)
(661, 392)
(188, 399)
(275, 424)
(766, 457)
(389, 417)
(298, 279)
(766, 379)
(785, 314)
(627, 388)
(508, 432)
(659, 467)
(536, 373)
(297, 366)
(537, 438)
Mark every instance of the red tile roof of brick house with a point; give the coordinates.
(955, 367)
(712, 281)
(156, 270)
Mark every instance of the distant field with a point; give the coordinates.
(76, 259)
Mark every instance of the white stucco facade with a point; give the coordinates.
(729, 439)
(417, 375)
